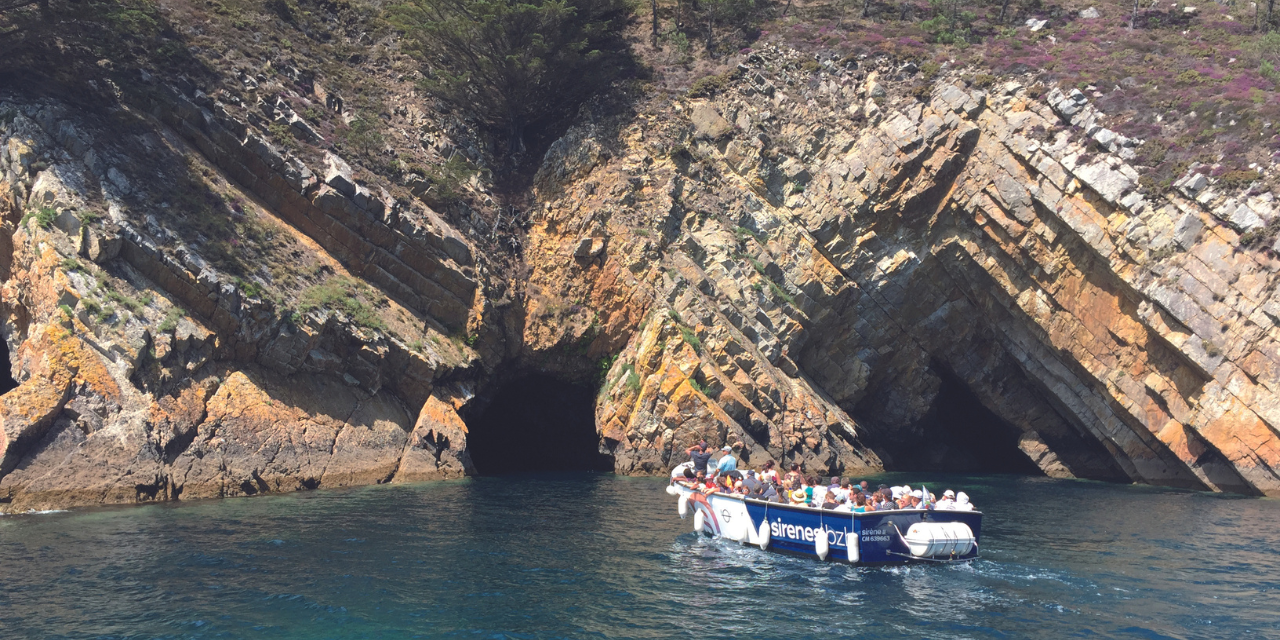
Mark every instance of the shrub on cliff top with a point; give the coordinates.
(712, 84)
(513, 64)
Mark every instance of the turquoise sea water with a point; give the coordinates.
(599, 556)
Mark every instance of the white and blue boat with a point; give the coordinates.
(876, 538)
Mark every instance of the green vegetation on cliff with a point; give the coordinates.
(515, 65)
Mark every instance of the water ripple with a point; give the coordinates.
(597, 556)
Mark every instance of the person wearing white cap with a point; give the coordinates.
(727, 462)
(916, 497)
(962, 502)
(947, 502)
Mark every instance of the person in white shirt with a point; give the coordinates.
(842, 493)
(769, 474)
(819, 492)
(948, 501)
(845, 507)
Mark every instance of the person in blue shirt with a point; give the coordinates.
(727, 462)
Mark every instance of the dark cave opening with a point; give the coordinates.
(962, 435)
(536, 423)
(7, 383)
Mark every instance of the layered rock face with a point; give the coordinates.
(148, 370)
(802, 263)
(822, 262)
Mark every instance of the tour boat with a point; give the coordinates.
(879, 537)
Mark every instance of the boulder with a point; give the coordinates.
(268, 153)
(1245, 219)
(795, 171)
(101, 244)
(67, 222)
(298, 175)
(1105, 137)
(337, 174)
(589, 248)
(1195, 183)
(1187, 230)
(871, 109)
(304, 130)
(708, 124)
(1090, 14)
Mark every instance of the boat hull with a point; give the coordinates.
(857, 538)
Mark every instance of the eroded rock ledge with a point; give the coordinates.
(807, 266)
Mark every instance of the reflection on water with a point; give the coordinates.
(581, 556)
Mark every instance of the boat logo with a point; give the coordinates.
(724, 513)
(835, 537)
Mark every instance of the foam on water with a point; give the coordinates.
(583, 556)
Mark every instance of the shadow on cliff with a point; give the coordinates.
(7, 383)
(535, 423)
(84, 52)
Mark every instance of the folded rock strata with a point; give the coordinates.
(808, 266)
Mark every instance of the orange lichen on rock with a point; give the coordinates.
(55, 361)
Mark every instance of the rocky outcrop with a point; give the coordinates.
(812, 264)
(148, 371)
(819, 273)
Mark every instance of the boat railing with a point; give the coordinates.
(803, 507)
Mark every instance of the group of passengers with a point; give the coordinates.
(723, 476)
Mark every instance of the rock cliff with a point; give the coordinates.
(816, 264)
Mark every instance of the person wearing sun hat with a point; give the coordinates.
(799, 497)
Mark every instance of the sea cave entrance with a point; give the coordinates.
(962, 435)
(536, 422)
(7, 383)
